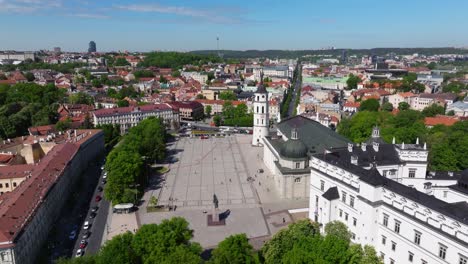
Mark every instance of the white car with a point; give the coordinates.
(79, 253)
(86, 225)
(105, 175)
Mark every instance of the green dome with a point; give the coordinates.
(294, 149)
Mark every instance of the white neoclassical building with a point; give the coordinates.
(386, 197)
(287, 153)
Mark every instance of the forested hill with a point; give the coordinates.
(335, 52)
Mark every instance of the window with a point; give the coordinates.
(382, 255)
(397, 226)
(384, 173)
(351, 201)
(263, 109)
(354, 221)
(343, 197)
(393, 246)
(297, 180)
(1, 185)
(298, 165)
(262, 121)
(463, 260)
(322, 185)
(14, 184)
(341, 213)
(417, 237)
(385, 220)
(392, 261)
(384, 240)
(423, 261)
(445, 194)
(353, 236)
(257, 109)
(410, 256)
(346, 216)
(442, 251)
(316, 200)
(7, 185)
(412, 173)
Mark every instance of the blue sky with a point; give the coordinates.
(142, 25)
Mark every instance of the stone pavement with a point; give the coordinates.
(221, 166)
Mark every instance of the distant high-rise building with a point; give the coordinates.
(92, 47)
(344, 57)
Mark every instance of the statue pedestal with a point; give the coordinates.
(214, 220)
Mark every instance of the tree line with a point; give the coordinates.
(125, 164)
(176, 60)
(448, 146)
(170, 242)
(234, 116)
(27, 104)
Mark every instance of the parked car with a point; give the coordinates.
(94, 209)
(86, 234)
(103, 181)
(204, 137)
(72, 235)
(105, 175)
(79, 253)
(98, 198)
(99, 189)
(83, 244)
(92, 215)
(86, 225)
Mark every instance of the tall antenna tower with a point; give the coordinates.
(217, 47)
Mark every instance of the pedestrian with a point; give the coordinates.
(230, 180)
(284, 220)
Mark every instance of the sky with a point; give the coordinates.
(184, 25)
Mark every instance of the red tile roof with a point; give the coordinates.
(440, 120)
(352, 104)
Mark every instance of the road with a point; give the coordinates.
(72, 217)
(297, 85)
(97, 224)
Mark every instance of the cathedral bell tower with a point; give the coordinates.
(261, 114)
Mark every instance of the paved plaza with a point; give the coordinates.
(206, 167)
(221, 166)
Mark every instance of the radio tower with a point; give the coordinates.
(217, 47)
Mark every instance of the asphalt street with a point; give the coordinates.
(297, 86)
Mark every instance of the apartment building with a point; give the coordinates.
(128, 117)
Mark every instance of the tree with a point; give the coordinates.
(29, 76)
(387, 107)
(200, 96)
(338, 229)
(81, 98)
(121, 62)
(432, 65)
(96, 83)
(370, 105)
(123, 103)
(176, 73)
(117, 251)
(454, 87)
(352, 82)
(451, 113)
(63, 125)
(143, 73)
(217, 120)
(403, 106)
(208, 110)
(162, 79)
(433, 110)
(234, 249)
(227, 95)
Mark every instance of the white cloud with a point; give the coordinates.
(28, 6)
(204, 14)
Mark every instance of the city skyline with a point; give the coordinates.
(185, 25)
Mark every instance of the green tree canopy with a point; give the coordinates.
(234, 249)
(454, 87)
(81, 98)
(227, 95)
(338, 229)
(403, 106)
(370, 105)
(387, 107)
(352, 82)
(433, 110)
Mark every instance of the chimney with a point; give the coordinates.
(364, 146)
(417, 141)
(403, 145)
(393, 141)
(375, 145)
(425, 146)
(350, 147)
(354, 159)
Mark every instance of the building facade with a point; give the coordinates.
(128, 117)
(386, 197)
(30, 210)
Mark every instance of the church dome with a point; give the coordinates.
(294, 149)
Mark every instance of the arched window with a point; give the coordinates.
(263, 109)
(257, 109)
